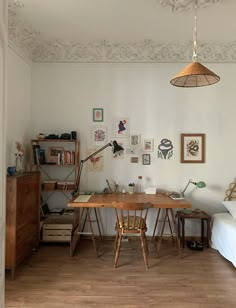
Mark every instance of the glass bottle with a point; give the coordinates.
(139, 185)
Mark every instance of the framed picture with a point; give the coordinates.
(135, 140)
(148, 145)
(192, 148)
(146, 159)
(134, 160)
(121, 127)
(97, 114)
(55, 154)
(99, 135)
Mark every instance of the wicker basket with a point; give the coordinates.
(66, 185)
(49, 185)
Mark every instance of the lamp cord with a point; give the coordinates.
(195, 34)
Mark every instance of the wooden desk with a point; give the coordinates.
(105, 201)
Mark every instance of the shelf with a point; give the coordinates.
(55, 190)
(54, 140)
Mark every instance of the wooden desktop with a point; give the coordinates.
(159, 201)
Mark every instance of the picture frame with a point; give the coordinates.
(55, 154)
(97, 114)
(146, 159)
(192, 148)
(148, 145)
(134, 160)
(121, 127)
(135, 140)
(99, 135)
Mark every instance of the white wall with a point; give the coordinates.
(63, 96)
(19, 104)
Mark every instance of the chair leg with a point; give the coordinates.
(116, 241)
(144, 245)
(118, 248)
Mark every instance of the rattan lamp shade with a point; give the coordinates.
(194, 75)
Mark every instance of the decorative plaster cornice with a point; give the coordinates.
(180, 5)
(147, 51)
(143, 51)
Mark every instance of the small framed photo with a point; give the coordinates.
(192, 148)
(146, 159)
(97, 114)
(148, 145)
(55, 154)
(134, 160)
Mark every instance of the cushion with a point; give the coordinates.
(231, 207)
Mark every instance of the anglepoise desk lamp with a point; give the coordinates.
(116, 149)
(200, 184)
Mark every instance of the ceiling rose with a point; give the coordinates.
(180, 5)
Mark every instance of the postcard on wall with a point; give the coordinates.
(148, 145)
(135, 140)
(121, 127)
(165, 148)
(95, 163)
(99, 135)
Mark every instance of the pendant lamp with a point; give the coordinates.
(194, 74)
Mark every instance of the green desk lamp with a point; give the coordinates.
(199, 184)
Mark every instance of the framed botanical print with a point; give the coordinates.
(192, 148)
(99, 135)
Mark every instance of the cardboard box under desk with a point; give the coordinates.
(57, 228)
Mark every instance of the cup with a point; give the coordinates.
(11, 170)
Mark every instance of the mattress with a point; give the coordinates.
(223, 236)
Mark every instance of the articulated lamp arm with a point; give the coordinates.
(116, 149)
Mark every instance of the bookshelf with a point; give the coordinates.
(58, 161)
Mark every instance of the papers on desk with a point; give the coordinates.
(82, 198)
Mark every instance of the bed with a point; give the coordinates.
(223, 237)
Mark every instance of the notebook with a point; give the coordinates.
(82, 198)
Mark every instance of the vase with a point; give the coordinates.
(19, 165)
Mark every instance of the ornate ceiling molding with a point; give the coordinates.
(180, 5)
(30, 44)
(143, 51)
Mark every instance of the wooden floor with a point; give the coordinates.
(51, 278)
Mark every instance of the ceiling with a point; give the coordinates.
(88, 23)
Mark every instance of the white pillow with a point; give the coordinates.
(231, 207)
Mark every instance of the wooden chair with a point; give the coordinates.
(131, 221)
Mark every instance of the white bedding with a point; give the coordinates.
(223, 236)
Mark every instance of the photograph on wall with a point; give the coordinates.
(121, 127)
(97, 114)
(192, 148)
(165, 149)
(148, 145)
(146, 159)
(99, 135)
(135, 140)
(119, 155)
(95, 163)
(134, 160)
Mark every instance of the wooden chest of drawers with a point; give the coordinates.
(22, 217)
